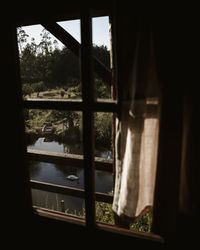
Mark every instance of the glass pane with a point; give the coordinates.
(103, 134)
(58, 202)
(54, 131)
(57, 132)
(49, 70)
(101, 51)
(60, 175)
(104, 176)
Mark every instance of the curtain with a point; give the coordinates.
(136, 126)
(189, 198)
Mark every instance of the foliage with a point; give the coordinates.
(38, 87)
(104, 213)
(102, 54)
(62, 93)
(103, 129)
(45, 62)
(102, 90)
(143, 224)
(27, 89)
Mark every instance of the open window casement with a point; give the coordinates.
(137, 132)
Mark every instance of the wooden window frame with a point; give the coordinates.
(88, 106)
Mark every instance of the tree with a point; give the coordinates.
(28, 65)
(102, 54)
(55, 67)
(21, 39)
(38, 87)
(70, 119)
(46, 43)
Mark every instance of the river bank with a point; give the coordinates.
(58, 134)
(67, 126)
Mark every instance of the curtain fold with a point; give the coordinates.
(189, 198)
(137, 129)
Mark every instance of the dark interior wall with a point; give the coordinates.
(17, 216)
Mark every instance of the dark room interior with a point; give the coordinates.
(176, 199)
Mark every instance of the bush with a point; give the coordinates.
(104, 213)
(103, 129)
(38, 87)
(143, 224)
(27, 89)
(62, 93)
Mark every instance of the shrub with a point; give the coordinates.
(143, 224)
(104, 213)
(103, 129)
(27, 89)
(62, 93)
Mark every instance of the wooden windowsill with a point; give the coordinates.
(59, 216)
(129, 232)
(99, 226)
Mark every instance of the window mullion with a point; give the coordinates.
(88, 119)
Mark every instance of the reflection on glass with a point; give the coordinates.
(49, 70)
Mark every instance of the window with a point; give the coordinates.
(66, 111)
(59, 117)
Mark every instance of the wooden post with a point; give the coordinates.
(62, 203)
(88, 119)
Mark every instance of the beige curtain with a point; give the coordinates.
(137, 133)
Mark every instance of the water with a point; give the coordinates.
(56, 174)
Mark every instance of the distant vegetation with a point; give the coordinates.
(53, 73)
(49, 72)
(45, 67)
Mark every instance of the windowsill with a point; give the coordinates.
(129, 232)
(58, 216)
(100, 226)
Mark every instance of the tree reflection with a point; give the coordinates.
(34, 168)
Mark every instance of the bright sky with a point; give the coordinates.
(100, 28)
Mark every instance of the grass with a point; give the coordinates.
(104, 213)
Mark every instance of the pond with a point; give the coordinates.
(57, 174)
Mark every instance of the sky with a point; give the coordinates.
(100, 29)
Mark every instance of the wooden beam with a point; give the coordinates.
(88, 116)
(74, 105)
(77, 105)
(49, 187)
(71, 191)
(72, 44)
(70, 159)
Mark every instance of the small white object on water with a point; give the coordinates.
(72, 177)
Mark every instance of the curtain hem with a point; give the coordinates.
(129, 219)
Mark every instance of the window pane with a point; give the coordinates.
(103, 134)
(104, 177)
(49, 70)
(101, 51)
(59, 175)
(56, 132)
